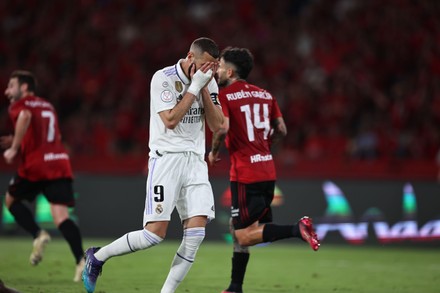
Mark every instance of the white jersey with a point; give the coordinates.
(168, 87)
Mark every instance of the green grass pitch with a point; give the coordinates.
(287, 266)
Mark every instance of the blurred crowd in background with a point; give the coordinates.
(355, 79)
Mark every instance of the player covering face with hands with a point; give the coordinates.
(253, 122)
(182, 97)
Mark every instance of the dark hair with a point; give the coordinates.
(27, 77)
(242, 59)
(207, 45)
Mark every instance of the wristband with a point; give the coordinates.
(214, 98)
(199, 80)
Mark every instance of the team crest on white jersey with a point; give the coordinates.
(159, 209)
(166, 96)
(179, 86)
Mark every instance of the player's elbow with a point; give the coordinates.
(281, 129)
(222, 128)
(283, 132)
(169, 119)
(170, 124)
(221, 132)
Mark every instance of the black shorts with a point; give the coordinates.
(57, 191)
(251, 203)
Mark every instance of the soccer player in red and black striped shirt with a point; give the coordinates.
(253, 121)
(44, 167)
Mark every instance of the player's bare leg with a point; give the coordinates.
(257, 233)
(240, 260)
(23, 216)
(250, 235)
(71, 233)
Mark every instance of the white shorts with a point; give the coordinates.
(178, 180)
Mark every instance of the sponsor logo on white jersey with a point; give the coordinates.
(194, 115)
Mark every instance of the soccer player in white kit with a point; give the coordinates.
(183, 96)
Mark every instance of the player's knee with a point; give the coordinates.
(231, 227)
(248, 236)
(239, 248)
(9, 200)
(243, 238)
(157, 228)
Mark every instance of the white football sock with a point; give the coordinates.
(184, 258)
(130, 242)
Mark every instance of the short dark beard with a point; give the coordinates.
(223, 83)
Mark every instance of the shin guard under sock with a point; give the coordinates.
(272, 232)
(72, 235)
(23, 216)
(239, 264)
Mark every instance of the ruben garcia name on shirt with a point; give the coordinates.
(194, 115)
(248, 94)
